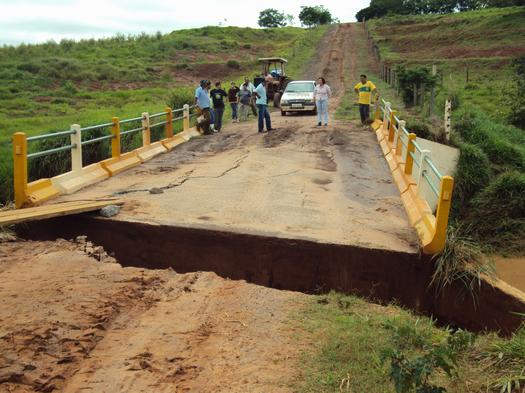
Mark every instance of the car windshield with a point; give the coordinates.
(306, 87)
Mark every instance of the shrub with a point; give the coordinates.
(177, 98)
(420, 129)
(472, 175)
(233, 64)
(182, 66)
(498, 213)
(501, 145)
(247, 46)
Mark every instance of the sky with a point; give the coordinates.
(33, 21)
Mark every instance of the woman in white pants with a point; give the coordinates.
(322, 93)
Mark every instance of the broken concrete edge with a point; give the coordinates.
(299, 265)
(418, 210)
(42, 190)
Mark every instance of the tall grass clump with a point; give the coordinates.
(461, 261)
(497, 216)
(472, 175)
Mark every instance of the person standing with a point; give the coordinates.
(217, 96)
(322, 93)
(202, 101)
(262, 106)
(364, 89)
(251, 88)
(233, 99)
(245, 98)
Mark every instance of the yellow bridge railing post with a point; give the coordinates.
(377, 115)
(409, 160)
(169, 122)
(146, 132)
(20, 168)
(186, 115)
(391, 129)
(442, 213)
(115, 141)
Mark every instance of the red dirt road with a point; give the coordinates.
(70, 323)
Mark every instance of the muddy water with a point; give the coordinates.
(511, 270)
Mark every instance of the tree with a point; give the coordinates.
(314, 16)
(271, 17)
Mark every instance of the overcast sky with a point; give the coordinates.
(32, 21)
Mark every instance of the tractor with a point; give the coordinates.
(274, 67)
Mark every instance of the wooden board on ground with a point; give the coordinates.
(17, 216)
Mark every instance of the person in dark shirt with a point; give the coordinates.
(233, 99)
(217, 96)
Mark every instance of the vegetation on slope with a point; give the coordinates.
(364, 347)
(48, 87)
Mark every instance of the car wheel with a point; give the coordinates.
(283, 113)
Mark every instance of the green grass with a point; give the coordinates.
(348, 337)
(485, 41)
(48, 87)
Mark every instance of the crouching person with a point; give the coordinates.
(202, 101)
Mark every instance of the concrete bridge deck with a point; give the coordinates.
(323, 184)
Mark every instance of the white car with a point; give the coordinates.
(298, 97)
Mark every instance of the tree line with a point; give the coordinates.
(379, 8)
(308, 16)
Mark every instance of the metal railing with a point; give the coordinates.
(79, 137)
(418, 170)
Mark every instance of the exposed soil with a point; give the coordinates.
(71, 323)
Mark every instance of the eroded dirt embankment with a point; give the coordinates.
(71, 323)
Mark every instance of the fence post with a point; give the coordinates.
(169, 122)
(76, 152)
(186, 115)
(115, 141)
(399, 141)
(146, 134)
(442, 214)
(409, 160)
(20, 168)
(391, 129)
(448, 116)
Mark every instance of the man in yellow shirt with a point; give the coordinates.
(365, 88)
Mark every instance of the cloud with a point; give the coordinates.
(38, 21)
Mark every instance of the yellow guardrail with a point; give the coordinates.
(425, 192)
(81, 176)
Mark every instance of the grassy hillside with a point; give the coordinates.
(50, 86)
(483, 41)
(489, 194)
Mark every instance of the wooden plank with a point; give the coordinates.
(17, 216)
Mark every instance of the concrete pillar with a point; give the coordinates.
(146, 134)
(76, 152)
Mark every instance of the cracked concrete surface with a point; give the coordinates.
(328, 184)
